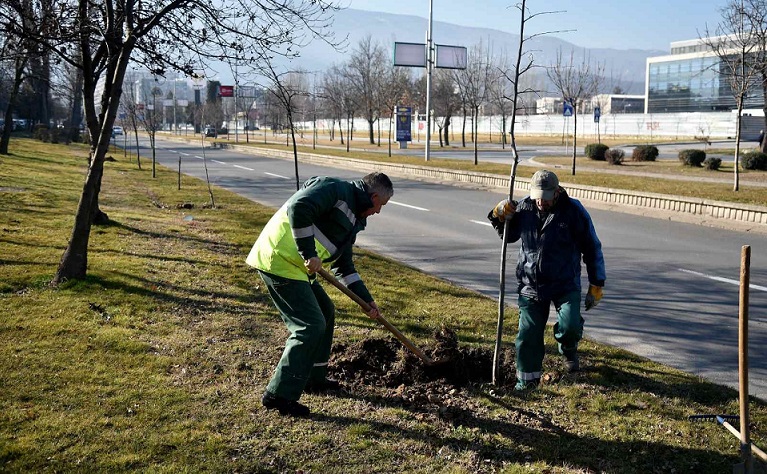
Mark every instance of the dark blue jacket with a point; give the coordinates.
(549, 263)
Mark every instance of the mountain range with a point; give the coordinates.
(626, 67)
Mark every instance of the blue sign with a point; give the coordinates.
(597, 114)
(567, 109)
(404, 117)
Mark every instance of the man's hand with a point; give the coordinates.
(313, 264)
(593, 297)
(505, 209)
(374, 312)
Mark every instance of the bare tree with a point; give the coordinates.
(178, 34)
(289, 88)
(473, 84)
(498, 91)
(575, 81)
(445, 101)
(333, 93)
(395, 83)
(736, 45)
(364, 71)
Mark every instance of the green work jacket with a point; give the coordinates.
(322, 219)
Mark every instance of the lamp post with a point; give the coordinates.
(429, 56)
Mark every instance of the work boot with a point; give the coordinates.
(322, 386)
(284, 406)
(572, 364)
(525, 385)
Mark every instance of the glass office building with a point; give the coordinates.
(691, 79)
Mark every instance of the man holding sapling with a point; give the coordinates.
(556, 231)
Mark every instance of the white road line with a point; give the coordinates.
(219, 162)
(724, 280)
(199, 157)
(243, 168)
(408, 205)
(276, 175)
(481, 223)
(182, 153)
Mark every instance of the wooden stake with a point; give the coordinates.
(745, 274)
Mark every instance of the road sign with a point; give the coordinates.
(567, 109)
(597, 114)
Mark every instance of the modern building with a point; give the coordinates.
(691, 79)
(618, 103)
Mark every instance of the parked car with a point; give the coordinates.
(117, 130)
(210, 132)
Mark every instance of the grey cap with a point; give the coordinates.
(543, 185)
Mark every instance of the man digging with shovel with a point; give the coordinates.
(556, 231)
(319, 223)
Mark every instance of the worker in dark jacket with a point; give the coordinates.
(556, 232)
(317, 225)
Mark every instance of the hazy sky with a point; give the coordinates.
(620, 24)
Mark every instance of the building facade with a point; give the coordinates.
(691, 79)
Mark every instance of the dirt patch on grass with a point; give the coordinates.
(388, 368)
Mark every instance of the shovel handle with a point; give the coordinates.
(367, 308)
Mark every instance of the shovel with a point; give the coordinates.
(366, 307)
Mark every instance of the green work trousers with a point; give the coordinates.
(309, 315)
(533, 315)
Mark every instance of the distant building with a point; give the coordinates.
(691, 79)
(608, 103)
(617, 104)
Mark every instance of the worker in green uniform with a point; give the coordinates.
(317, 225)
(556, 232)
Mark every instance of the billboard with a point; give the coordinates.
(226, 91)
(451, 57)
(410, 54)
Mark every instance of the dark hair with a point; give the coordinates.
(378, 183)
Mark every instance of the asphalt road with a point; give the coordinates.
(672, 288)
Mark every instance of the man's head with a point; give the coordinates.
(380, 189)
(544, 188)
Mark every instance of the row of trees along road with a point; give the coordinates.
(100, 39)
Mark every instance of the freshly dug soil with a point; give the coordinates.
(385, 364)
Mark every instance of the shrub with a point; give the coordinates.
(712, 163)
(596, 151)
(645, 153)
(692, 157)
(614, 156)
(41, 133)
(754, 160)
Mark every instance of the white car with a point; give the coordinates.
(117, 130)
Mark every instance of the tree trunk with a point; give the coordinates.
(74, 262)
(447, 130)
(463, 129)
(17, 80)
(575, 134)
(371, 131)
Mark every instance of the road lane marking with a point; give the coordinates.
(408, 205)
(276, 175)
(243, 168)
(219, 162)
(199, 157)
(724, 280)
(182, 153)
(481, 223)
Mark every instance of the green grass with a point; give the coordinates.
(156, 362)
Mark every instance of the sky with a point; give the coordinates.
(619, 24)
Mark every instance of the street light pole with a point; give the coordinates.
(429, 55)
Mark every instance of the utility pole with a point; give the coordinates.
(429, 56)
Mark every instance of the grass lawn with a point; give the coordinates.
(157, 361)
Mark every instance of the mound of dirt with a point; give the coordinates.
(387, 363)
